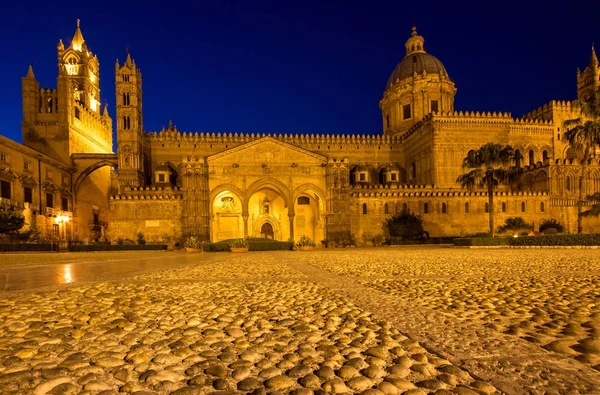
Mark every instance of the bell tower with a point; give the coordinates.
(67, 120)
(130, 129)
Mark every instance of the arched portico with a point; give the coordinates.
(309, 209)
(91, 211)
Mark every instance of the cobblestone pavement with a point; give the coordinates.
(371, 321)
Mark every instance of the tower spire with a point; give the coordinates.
(30, 71)
(77, 42)
(128, 61)
(594, 58)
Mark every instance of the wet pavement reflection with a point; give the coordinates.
(32, 272)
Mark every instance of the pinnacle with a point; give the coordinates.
(78, 40)
(594, 58)
(30, 71)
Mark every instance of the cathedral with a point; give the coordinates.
(169, 183)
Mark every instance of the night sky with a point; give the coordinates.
(305, 67)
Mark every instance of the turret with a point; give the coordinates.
(588, 81)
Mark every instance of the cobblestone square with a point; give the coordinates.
(373, 321)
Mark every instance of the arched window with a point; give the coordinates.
(518, 157)
(531, 158)
(503, 207)
(487, 207)
(568, 183)
(542, 207)
(404, 207)
(386, 209)
(523, 206)
(364, 208)
(467, 208)
(544, 155)
(413, 171)
(426, 208)
(444, 208)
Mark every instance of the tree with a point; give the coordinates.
(514, 224)
(594, 211)
(10, 220)
(405, 224)
(489, 166)
(583, 134)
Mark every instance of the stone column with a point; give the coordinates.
(245, 217)
(291, 217)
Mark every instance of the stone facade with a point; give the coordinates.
(172, 183)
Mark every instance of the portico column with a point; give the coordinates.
(291, 217)
(245, 217)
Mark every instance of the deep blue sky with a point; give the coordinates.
(305, 67)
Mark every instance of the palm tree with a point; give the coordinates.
(583, 135)
(595, 209)
(489, 166)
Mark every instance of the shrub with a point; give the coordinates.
(482, 241)
(481, 234)
(193, 242)
(378, 239)
(582, 239)
(544, 240)
(10, 220)
(238, 243)
(551, 224)
(305, 241)
(405, 224)
(141, 240)
(514, 224)
(117, 247)
(254, 244)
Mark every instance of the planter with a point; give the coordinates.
(305, 248)
(188, 249)
(239, 249)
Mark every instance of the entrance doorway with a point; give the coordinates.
(266, 231)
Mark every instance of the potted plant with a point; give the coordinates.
(377, 240)
(239, 245)
(305, 243)
(193, 244)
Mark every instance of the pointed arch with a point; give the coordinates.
(271, 183)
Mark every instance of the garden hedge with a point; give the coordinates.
(542, 240)
(117, 247)
(15, 247)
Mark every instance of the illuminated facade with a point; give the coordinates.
(58, 175)
(171, 183)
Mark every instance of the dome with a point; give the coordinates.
(417, 62)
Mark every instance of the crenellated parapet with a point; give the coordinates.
(422, 191)
(553, 111)
(149, 193)
(166, 135)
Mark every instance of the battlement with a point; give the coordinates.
(150, 193)
(551, 107)
(240, 138)
(429, 191)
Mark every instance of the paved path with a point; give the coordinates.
(509, 363)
